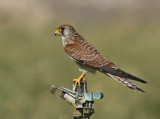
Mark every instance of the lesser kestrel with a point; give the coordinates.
(89, 59)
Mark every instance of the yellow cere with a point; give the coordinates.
(57, 31)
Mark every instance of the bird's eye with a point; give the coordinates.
(62, 29)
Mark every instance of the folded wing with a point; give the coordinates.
(85, 53)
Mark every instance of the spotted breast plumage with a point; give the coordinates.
(89, 59)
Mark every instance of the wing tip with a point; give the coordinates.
(140, 80)
(145, 81)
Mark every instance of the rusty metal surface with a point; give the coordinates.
(79, 98)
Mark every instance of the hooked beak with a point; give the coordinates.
(57, 33)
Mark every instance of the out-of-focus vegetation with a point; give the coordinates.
(32, 59)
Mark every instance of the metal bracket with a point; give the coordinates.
(79, 98)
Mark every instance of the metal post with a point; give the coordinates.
(78, 113)
(79, 98)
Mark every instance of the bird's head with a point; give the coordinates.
(65, 30)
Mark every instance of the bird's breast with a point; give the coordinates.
(64, 41)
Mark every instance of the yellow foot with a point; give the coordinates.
(78, 81)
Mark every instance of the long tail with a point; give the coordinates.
(118, 72)
(126, 82)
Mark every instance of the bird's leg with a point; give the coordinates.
(78, 81)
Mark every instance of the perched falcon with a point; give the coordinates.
(89, 59)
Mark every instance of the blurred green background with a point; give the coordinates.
(32, 58)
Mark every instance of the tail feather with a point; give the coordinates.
(131, 76)
(118, 72)
(126, 82)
